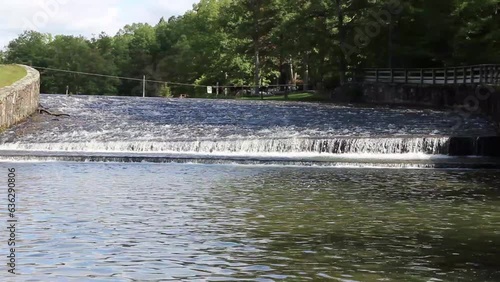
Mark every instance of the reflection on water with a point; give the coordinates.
(120, 222)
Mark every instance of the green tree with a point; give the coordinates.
(29, 48)
(262, 42)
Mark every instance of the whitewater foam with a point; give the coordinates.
(391, 148)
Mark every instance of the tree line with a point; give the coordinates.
(318, 44)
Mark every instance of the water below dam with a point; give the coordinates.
(133, 189)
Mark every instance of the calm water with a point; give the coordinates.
(147, 222)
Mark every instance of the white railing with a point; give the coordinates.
(479, 74)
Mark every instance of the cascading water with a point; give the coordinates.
(128, 127)
(312, 146)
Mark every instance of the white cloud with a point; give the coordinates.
(82, 17)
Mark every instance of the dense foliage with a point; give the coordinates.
(319, 43)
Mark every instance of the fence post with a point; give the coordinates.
(497, 74)
(488, 72)
(421, 76)
(494, 76)
(144, 86)
(433, 76)
(493, 73)
(465, 75)
(406, 76)
(445, 76)
(392, 75)
(484, 76)
(376, 75)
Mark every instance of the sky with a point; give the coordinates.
(82, 17)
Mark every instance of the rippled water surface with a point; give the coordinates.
(136, 119)
(249, 191)
(128, 125)
(180, 222)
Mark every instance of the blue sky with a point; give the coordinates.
(82, 17)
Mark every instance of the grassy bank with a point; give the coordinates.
(10, 74)
(297, 97)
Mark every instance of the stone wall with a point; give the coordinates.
(19, 100)
(462, 99)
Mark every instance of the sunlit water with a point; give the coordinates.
(130, 189)
(238, 128)
(184, 222)
(157, 119)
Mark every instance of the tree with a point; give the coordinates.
(29, 48)
(262, 42)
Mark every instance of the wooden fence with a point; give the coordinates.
(479, 74)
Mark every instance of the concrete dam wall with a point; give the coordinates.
(19, 100)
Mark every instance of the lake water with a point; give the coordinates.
(129, 189)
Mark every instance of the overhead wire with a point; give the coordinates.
(156, 81)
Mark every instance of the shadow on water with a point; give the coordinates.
(374, 224)
(468, 257)
(261, 222)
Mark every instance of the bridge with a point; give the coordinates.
(477, 74)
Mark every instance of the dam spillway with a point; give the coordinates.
(228, 130)
(135, 189)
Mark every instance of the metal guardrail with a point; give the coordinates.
(479, 74)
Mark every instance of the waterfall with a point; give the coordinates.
(280, 146)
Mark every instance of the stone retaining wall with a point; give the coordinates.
(19, 100)
(464, 100)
